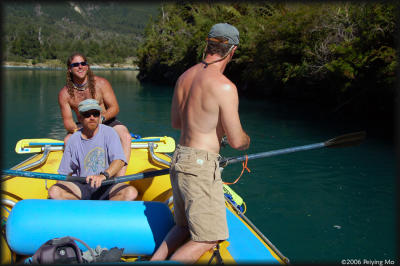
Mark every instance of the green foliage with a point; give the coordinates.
(107, 32)
(175, 40)
(329, 52)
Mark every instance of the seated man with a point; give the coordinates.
(82, 84)
(94, 151)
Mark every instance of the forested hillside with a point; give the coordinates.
(104, 31)
(338, 55)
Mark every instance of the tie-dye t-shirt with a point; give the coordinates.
(83, 157)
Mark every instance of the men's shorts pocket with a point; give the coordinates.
(184, 169)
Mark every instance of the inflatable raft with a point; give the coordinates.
(29, 219)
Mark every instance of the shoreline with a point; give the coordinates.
(57, 66)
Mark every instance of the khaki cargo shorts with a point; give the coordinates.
(199, 201)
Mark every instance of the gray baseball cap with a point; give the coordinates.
(225, 30)
(88, 104)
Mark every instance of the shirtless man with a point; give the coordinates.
(82, 84)
(204, 108)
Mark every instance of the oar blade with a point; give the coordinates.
(351, 139)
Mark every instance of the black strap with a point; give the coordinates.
(204, 62)
(215, 61)
(217, 256)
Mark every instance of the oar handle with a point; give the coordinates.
(71, 178)
(81, 179)
(137, 176)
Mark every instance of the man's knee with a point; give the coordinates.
(55, 192)
(64, 192)
(131, 193)
(127, 194)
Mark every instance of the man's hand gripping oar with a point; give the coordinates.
(69, 178)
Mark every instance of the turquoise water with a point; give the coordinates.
(321, 205)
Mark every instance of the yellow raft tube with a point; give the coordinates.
(246, 244)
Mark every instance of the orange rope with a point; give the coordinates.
(244, 164)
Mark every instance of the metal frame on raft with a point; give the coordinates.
(151, 146)
(48, 148)
(46, 152)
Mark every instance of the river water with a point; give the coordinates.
(324, 205)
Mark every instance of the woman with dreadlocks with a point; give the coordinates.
(82, 84)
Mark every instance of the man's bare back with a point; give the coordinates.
(205, 108)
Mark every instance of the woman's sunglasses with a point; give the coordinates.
(78, 63)
(88, 114)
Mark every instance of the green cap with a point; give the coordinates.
(225, 30)
(88, 104)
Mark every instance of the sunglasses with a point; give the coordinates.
(78, 63)
(88, 114)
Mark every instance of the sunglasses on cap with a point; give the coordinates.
(88, 114)
(78, 63)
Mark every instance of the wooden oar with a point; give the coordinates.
(83, 179)
(346, 140)
(162, 144)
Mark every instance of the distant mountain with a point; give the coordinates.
(105, 31)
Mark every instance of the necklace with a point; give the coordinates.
(215, 61)
(80, 87)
